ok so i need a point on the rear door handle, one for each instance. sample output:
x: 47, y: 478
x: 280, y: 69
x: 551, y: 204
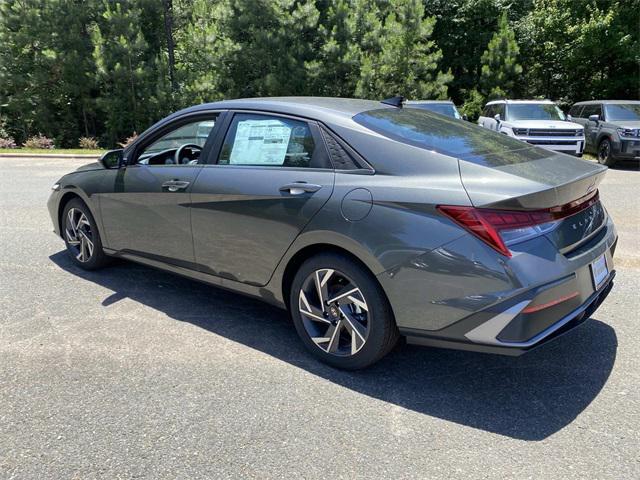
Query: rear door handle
x: 298, y: 188
x: 175, y: 185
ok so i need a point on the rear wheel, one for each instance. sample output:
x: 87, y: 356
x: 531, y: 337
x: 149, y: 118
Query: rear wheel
x: 81, y: 236
x: 605, y: 153
x: 341, y: 313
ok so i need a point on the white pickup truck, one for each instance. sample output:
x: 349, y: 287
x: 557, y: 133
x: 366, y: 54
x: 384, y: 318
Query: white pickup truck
x: 539, y: 122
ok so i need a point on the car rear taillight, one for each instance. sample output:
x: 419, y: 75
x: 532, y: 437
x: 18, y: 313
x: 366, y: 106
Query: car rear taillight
x: 501, y: 228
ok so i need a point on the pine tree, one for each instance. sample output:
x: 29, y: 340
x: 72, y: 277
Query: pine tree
x: 132, y: 72
x: 407, y: 62
x: 500, y: 67
x: 46, y: 69
x: 350, y: 30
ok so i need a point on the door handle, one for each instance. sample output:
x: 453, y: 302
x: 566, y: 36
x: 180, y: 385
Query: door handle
x: 298, y: 188
x: 175, y: 185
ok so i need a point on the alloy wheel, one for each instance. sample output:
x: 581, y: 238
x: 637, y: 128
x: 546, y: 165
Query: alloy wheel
x: 334, y: 312
x: 79, y: 235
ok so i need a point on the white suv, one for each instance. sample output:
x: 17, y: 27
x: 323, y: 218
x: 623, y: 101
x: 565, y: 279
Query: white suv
x: 539, y: 122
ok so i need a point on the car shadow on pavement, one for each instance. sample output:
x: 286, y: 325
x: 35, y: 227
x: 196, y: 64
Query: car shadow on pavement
x: 528, y: 397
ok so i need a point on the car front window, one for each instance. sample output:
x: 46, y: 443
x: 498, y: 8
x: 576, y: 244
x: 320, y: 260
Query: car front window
x: 534, y: 111
x: 622, y: 112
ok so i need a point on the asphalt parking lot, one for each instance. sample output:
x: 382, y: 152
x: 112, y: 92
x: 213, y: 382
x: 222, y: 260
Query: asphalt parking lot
x: 131, y: 372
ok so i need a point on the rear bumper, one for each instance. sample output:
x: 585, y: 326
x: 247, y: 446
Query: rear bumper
x: 465, y: 296
x: 570, y: 321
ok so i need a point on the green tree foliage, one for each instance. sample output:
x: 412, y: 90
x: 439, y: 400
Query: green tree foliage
x: 109, y: 68
x: 582, y: 50
x: 407, y: 61
x: 350, y: 30
x: 130, y: 66
x: 46, y: 71
x: 500, y: 67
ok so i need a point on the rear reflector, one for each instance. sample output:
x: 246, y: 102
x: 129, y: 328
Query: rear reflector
x: 500, y: 228
x: 542, y: 306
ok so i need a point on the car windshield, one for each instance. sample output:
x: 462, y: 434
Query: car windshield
x: 534, y: 111
x: 448, y: 136
x: 627, y: 111
x: 442, y: 108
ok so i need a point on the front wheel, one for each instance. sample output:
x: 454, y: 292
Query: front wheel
x: 81, y: 236
x: 341, y: 313
x: 605, y: 153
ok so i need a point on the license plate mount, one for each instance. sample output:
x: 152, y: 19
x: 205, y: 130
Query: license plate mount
x: 599, y: 271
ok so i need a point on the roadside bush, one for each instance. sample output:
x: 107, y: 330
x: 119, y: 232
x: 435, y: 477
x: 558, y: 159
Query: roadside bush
x: 129, y: 140
x: 88, y: 143
x: 7, y: 142
x: 39, y: 141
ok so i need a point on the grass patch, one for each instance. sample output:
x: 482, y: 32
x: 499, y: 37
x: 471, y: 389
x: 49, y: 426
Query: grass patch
x: 53, y: 151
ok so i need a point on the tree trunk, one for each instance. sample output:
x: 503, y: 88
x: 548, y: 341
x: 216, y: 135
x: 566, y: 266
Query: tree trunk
x: 168, y: 31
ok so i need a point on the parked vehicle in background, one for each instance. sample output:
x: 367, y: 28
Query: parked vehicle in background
x: 612, y: 128
x: 443, y: 107
x: 539, y: 122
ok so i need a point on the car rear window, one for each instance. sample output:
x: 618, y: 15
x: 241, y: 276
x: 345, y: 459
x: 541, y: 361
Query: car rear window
x: 448, y: 136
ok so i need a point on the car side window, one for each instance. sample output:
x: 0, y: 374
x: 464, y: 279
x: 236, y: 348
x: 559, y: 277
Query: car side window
x: 268, y: 141
x: 591, y: 110
x: 575, y: 111
x: 488, y: 111
x: 499, y: 108
x: 180, y: 146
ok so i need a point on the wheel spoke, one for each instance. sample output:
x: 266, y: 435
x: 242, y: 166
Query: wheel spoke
x: 334, y: 334
x: 321, y: 278
x: 348, y: 289
x: 72, y: 224
x: 355, y: 328
x: 354, y: 297
x: 88, y: 242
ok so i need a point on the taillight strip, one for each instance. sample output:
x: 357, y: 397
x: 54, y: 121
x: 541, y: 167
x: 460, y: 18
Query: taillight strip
x: 542, y: 306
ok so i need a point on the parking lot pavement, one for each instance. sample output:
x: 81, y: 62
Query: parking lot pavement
x: 131, y: 372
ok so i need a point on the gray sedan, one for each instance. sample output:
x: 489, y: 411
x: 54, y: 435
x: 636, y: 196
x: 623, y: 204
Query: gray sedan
x: 366, y: 220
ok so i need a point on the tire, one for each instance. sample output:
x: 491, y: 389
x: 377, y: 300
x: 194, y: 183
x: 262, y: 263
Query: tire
x: 605, y: 153
x: 82, y: 239
x: 354, y: 330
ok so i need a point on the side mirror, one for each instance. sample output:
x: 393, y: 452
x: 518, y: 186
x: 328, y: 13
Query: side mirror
x: 497, y: 117
x: 594, y: 118
x: 112, y: 159
x: 465, y: 117
x: 569, y: 118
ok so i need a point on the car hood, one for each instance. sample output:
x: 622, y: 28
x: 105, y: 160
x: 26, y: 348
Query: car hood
x: 89, y: 167
x: 627, y: 124
x: 557, y: 124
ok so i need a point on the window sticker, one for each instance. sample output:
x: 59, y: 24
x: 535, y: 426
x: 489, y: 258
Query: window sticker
x: 260, y: 142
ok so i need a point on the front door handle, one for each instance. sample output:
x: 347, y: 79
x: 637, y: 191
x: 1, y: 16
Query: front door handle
x: 298, y: 188
x: 175, y: 185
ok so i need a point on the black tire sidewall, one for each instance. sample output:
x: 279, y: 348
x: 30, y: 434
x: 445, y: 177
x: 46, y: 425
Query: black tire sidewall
x: 383, y: 331
x: 98, y: 259
x: 609, y: 161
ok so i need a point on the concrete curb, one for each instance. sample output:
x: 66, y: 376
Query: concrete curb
x: 86, y: 156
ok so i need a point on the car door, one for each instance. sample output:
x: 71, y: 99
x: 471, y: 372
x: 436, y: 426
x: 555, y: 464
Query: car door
x: 271, y: 176
x: 484, y: 120
x: 145, y: 206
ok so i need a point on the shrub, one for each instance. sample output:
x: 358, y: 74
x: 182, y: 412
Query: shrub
x: 7, y: 142
x: 88, y: 143
x: 129, y: 140
x: 39, y: 141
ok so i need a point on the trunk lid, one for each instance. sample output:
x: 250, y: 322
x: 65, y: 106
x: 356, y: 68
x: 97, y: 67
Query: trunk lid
x: 533, y: 179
